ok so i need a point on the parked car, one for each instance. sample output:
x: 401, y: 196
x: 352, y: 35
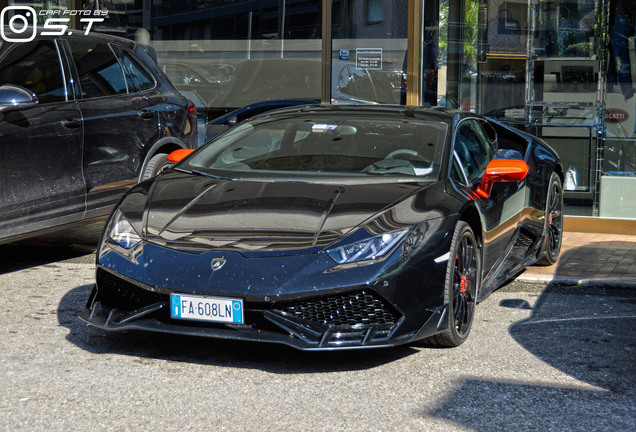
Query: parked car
x: 82, y: 118
x: 205, y: 79
x: 332, y: 227
x: 353, y: 85
x: 200, y: 82
x: 268, y: 79
x: 221, y: 124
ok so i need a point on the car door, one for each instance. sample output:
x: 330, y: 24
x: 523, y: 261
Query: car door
x: 118, y: 121
x: 501, y: 211
x: 41, y: 181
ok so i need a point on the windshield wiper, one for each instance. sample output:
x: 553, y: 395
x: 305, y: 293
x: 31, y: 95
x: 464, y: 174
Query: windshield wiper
x: 201, y: 173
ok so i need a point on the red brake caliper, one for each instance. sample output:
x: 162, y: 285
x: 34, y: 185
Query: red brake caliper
x: 550, y: 218
x: 463, y: 285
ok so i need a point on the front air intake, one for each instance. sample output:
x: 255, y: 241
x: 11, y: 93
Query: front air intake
x: 360, y: 308
x: 114, y: 291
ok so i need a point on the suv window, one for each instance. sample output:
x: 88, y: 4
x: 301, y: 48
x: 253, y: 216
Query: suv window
x: 35, y: 65
x: 139, y: 78
x: 99, y: 71
x: 472, y: 149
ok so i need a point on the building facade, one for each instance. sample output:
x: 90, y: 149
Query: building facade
x: 559, y: 69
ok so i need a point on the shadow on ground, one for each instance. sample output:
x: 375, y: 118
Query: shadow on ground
x: 589, y: 334
x: 274, y: 358
x: 23, y: 255
x: 77, y: 242
x: 483, y: 405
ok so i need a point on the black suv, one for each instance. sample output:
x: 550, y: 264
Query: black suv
x: 82, y: 118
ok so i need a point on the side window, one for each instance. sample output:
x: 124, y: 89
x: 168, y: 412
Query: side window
x: 36, y: 66
x: 138, y: 77
x: 456, y: 172
x: 473, y: 149
x: 99, y: 71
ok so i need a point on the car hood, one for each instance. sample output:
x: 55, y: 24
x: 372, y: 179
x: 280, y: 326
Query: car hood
x: 191, y: 212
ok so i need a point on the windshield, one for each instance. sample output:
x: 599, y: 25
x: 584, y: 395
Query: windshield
x: 311, y: 146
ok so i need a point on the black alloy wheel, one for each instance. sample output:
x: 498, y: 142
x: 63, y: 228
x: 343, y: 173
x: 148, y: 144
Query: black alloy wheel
x: 461, y: 287
x: 554, y: 222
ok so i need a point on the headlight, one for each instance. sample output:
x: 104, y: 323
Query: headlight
x: 122, y: 232
x: 369, y: 249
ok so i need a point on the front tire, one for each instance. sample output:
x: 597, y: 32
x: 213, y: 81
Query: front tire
x: 463, y: 278
x: 554, y: 222
x: 156, y: 165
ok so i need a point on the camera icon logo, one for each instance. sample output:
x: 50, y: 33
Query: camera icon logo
x: 22, y: 25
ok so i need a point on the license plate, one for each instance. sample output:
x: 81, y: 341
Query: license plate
x: 212, y: 309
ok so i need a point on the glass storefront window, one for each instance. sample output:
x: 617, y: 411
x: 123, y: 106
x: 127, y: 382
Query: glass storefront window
x: 618, y: 175
x: 369, y: 52
x: 559, y: 69
x: 461, y: 48
x: 541, y: 74
x: 226, y: 55
x: 543, y: 66
x: 564, y: 63
x: 503, y: 65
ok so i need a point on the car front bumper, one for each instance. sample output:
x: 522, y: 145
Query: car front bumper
x: 357, y: 317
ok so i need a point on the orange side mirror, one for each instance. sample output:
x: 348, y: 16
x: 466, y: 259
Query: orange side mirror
x: 502, y: 170
x: 178, y: 155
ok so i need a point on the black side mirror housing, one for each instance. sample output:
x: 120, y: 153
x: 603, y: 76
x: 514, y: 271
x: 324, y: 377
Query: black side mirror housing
x: 14, y: 97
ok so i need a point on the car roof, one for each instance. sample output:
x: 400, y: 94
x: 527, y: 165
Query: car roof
x: 282, y: 103
x: 101, y: 37
x: 436, y: 114
x: 70, y: 33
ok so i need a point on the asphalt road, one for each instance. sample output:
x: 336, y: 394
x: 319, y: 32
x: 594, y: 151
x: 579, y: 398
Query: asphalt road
x: 538, y: 358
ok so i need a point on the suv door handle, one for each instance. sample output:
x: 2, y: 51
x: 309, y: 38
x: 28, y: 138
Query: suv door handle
x: 146, y: 114
x: 72, y: 123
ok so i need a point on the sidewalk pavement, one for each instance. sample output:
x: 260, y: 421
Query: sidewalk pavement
x: 590, y: 259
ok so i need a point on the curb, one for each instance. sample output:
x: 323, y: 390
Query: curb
x: 586, y: 282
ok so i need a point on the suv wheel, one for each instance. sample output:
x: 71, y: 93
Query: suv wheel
x: 156, y: 165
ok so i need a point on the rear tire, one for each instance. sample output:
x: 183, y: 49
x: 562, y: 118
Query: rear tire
x: 463, y: 278
x: 554, y: 222
x: 156, y: 165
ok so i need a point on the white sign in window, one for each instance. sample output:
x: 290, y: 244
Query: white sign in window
x: 369, y: 58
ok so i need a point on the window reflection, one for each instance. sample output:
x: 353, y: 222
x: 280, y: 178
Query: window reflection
x: 369, y: 52
x: 35, y: 66
x: 99, y: 71
x: 559, y: 69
